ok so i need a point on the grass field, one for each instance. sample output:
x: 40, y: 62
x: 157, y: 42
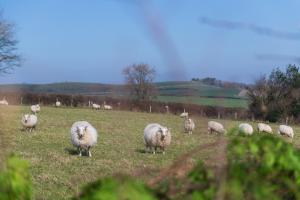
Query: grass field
x: 58, y: 173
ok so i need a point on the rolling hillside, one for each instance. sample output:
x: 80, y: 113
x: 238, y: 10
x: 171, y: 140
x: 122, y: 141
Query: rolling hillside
x: 195, y: 92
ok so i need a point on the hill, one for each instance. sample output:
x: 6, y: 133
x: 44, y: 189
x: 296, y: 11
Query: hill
x: 196, y: 92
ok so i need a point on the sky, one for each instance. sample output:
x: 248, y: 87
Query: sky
x: 92, y: 41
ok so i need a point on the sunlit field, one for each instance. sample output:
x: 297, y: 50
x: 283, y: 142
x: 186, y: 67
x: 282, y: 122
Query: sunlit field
x: 59, y: 173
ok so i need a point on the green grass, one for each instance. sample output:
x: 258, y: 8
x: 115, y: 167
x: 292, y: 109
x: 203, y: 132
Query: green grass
x: 59, y: 174
x: 224, y: 102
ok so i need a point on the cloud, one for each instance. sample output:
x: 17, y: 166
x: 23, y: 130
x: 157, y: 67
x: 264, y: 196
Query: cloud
x: 260, y: 30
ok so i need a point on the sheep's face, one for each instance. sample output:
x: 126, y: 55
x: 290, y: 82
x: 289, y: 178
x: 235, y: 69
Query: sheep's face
x: 81, y: 131
x: 26, y: 118
x: 190, y: 120
x: 38, y: 107
x: 164, y: 131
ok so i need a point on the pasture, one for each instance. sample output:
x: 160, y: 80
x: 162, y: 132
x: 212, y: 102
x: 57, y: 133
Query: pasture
x: 57, y: 171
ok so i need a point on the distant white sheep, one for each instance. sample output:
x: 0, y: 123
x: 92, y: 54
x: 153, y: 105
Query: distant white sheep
x: 107, y: 107
x: 95, y: 106
x: 261, y: 127
x: 57, y: 103
x: 4, y: 102
x: 83, y: 136
x: 35, y: 108
x: 29, y: 122
x: 189, y: 125
x: 246, y: 129
x: 156, y: 136
x: 286, y: 130
x: 184, y: 114
x: 217, y: 127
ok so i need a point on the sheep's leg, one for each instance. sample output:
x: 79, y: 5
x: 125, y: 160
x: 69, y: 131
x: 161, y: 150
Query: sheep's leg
x: 89, y: 152
x: 79, y: 150
x: 163, y: 150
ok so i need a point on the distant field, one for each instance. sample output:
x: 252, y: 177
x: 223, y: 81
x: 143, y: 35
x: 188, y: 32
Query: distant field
x: 207, y: 101
x: 59, y: 174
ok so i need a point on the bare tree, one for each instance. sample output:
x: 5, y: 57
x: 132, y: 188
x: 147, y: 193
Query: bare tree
x: 9, y: 59
x: 139, y: 79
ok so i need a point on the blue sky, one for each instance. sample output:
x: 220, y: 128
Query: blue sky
x: 92, y: 41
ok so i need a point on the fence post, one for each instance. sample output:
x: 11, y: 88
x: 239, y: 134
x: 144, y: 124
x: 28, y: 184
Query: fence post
x: 150, y: 109
x: 167, y: 109
x: 219, y: 115
x: 235, y: 116
x: 21, y: 100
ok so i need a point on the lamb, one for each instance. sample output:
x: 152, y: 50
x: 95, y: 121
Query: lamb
x: 95, y: 106
x: 189, y: 125
x: 246, y: 129
x: 217, y: 127
x: 4, y: 102
x: 261, y: 127
x: 286, y: 130
x: 156, y: 136
x: 35, y: 108
x: 83, y: 136
x: 107, y: 107
x: 29, y: 122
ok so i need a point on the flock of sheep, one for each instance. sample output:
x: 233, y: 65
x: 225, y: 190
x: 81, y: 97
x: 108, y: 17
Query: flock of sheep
x: 84, y: 135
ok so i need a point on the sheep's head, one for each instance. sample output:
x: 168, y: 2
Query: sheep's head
x: 164, y: 131
x: 81, y: 131
x: 26, y: 118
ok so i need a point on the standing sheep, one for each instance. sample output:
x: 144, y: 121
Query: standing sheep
x: 261, y: 127
x: 215, y: 127
x: 286, y: 130
x: 184, y: 114
x: 107, y: 107
x: 189, y: 125
x: 95, y: 106
x: 246, y: 129
x: 35, y: 108
x: 29, y: 122
x: 57, y: 103
x: 156, y: 136
x: 83, y: 136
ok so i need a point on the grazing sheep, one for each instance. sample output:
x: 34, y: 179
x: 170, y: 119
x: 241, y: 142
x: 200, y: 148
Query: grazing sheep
x: 217, y: 127
x: 261, y: 127
x: 35, y: 108
x: 4, y: 102
x: 246, y: 129
x: 95, y: 106
x: 184, y: 114
x: 29, y: 122
x: 189, y: 125
x: 107, y: 107
x: 83, y: 136
x: 286, y: 130
x: 156, y: 136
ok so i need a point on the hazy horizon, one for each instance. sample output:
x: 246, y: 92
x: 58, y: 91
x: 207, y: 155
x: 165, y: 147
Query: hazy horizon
x: 80, y: 41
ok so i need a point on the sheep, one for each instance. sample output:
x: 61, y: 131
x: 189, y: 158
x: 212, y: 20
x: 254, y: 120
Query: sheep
x: 29, y: 122
x: 57, y: 103
x: 286, y: 130
x: 246, y: 129
x: 83, y: 136
x: 4, y: 102
x: 261, y: 127
x: 156, y: 136
x: 189, y: 125
x: 217, y: 127
x: 184, y: 114
x: 95, y: 106
x: 107, y: 107
x: 35, y: 108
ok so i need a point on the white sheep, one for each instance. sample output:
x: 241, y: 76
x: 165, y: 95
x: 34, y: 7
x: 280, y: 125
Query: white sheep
x: 156, y: 136
x: 246, y: 129
x: 4, y: 102
x: 286, y: 130
x: 57, y: 103
x: 184, y: 114
x: 217, y: 127
x: 189, y: 125
x: 95, y: 106
x: 107, y: 107
x: 261, y: 127
x: 35, y: 108
x: 83, y: 136
x: 29, y: 122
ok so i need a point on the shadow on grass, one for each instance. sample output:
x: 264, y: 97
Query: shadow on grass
x: 71, y: 151
x: 141, y: 151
